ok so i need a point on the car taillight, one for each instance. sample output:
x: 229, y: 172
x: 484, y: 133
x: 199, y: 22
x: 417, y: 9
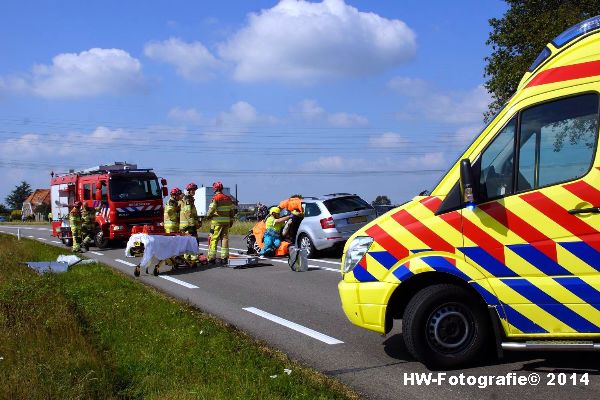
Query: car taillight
x: 327, y: 223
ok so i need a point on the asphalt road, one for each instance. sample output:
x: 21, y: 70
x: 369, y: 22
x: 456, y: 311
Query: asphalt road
x: 300, y: 314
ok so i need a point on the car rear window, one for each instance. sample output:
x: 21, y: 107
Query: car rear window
x: 346, y: 204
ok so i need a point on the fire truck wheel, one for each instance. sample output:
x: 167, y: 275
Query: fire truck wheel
x: 100, y: 240
x: 444, y: 326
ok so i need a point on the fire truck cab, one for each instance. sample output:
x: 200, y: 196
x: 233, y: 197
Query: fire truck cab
x: 122, y: 195
x: 505, y: 249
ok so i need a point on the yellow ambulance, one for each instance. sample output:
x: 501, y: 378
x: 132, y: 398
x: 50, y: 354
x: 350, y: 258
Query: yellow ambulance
x: 505, y: 250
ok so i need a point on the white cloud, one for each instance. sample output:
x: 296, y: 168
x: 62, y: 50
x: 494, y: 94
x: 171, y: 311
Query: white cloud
x: 185, y: 115
x: 193, y: 61
x: 459, y: 107
x: 388, y: 140
x: 428, y: 161
x: 346, y: 120
x: 234, y: 122
x: 310, y: 111
x: 301, y: 41
x: 89, y: 73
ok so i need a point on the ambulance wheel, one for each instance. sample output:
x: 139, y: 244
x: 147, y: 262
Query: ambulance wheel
x: 304, y: 242
x: 444, y: 326
x: 100, y: 240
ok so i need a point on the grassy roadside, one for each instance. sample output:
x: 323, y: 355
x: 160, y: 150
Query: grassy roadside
x: 95, y: 333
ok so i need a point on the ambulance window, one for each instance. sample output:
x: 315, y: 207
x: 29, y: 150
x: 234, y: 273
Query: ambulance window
x: 497, y: 164
x: 557, y: 141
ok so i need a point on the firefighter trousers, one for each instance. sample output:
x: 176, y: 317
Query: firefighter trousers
x: 218, y: 232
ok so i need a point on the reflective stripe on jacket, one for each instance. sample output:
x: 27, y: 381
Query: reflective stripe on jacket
x: 188, y: 216
x: 221, y: 209
x: 171, y: 217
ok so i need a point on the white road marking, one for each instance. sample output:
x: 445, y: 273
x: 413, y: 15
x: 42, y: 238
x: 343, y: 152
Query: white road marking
x: 177, y: 281
x: 96, y: 253
x: 56, y: 241
x: 43, y: 239
x: 125, y: 262
x: 204, y: 247
x: 294, y: 326
x: 31, y: 237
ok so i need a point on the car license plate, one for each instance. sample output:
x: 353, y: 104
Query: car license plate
x: 357, y: 220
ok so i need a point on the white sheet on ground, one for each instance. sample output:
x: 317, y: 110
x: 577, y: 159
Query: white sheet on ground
x: 158, y: 248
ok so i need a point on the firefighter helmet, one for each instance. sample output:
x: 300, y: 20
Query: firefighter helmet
x: 176, y: 192
x: 191, y: 186
x: 217, y: 186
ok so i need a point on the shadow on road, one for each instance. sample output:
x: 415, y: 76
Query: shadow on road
x: 530, y: 361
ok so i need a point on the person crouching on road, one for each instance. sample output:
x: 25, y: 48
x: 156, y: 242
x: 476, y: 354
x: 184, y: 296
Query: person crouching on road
x: 172, y: 209
x: 294, y: 206
x: 75, y: 224
x: 272, y: 237
x: 88, y: 217
x: 221, y: 211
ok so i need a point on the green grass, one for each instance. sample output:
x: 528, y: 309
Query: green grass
x: 95, y: 333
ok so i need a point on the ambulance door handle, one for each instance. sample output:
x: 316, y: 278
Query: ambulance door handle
x: 594, y: 210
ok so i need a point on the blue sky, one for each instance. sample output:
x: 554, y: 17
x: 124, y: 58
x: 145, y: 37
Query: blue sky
x: 279, y: 98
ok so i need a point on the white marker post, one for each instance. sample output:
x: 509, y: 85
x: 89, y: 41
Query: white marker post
x: 18, y: 234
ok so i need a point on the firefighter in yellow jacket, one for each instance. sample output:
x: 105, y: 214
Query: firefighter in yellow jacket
x: 75, y: 224
x: 221, y: 211
x: 188, y: 216
x: 88, y: 217
x: 172, y: 209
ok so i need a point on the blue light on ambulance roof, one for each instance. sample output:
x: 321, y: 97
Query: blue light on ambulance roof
x: 540, y: 58
x: 577, y: 30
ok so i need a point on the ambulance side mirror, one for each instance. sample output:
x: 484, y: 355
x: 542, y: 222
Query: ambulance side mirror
x: 165, y: 191
x: 467, y: 185
x: 98, y: 195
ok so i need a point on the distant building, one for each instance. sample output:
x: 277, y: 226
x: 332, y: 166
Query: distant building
x: 246, y: 206
x: 37, y: 198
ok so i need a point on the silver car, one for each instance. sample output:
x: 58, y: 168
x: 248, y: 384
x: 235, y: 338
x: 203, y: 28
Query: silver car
x: 330, y: 220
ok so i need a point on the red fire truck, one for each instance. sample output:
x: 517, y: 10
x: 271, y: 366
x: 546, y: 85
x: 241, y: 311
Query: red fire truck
x: 123, y: 196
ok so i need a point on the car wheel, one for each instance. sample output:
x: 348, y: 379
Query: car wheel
x: 444, y: 326
x: 100, y: 240
x: 304, y: 242
x: 67, y: 242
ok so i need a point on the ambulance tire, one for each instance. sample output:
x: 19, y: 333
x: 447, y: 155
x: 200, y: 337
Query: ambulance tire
x: 444, y: 326
x: 100, y: 240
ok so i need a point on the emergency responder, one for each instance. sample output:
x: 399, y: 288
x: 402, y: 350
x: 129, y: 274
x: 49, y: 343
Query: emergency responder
x: 88, y: 217
x: 75, y: 223
x: 172, y: 209
x: 221, y: 210
x: 188, y: 216
x: 294, y: 205
x: 272, y: 237
x: 188, y: 219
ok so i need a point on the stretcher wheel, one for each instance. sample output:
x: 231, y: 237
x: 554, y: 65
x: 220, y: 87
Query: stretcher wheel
x: 136, y: 272
x: 155, y: 272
